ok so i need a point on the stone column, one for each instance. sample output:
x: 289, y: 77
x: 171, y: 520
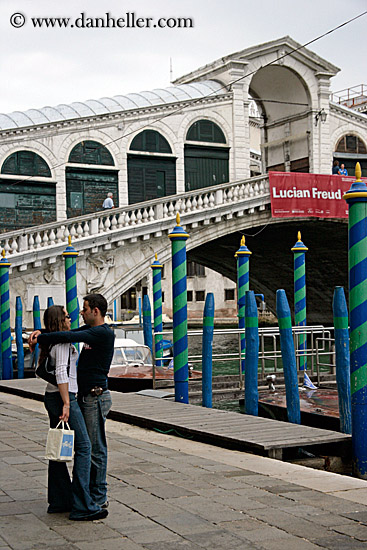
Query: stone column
x: 240, y: 150
x: 322, y: 154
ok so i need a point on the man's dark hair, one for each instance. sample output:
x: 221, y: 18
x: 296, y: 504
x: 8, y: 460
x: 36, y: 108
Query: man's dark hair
x: 97, y: 300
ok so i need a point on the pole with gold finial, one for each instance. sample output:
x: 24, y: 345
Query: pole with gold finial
x: 299, y: 263
x: 243, y: 283
x: 179, y: 294
x: 7, y: 365
x: 356, y: 198
x: 157, y: 308
x: 70, y: 255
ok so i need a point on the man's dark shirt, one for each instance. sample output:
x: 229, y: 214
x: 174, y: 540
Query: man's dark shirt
x: 95, y: 357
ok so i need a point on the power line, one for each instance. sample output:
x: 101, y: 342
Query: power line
x: 224, y: 87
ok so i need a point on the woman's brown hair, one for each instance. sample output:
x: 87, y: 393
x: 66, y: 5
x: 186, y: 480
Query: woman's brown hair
x: 54, y: 321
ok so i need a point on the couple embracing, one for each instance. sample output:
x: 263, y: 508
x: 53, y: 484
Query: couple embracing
x: 82, y: 399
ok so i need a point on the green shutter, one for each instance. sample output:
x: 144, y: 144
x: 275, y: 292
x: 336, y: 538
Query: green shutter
x: 91, y: 152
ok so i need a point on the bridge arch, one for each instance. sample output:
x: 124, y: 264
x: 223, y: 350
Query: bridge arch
x: 27, y: 189
x: 151, y: 166
x: 90, y: 174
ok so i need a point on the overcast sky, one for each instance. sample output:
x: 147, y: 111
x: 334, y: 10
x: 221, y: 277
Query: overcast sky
x: 48, y: 66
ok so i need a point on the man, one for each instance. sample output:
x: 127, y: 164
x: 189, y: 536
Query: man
x: 108, y: 202
x: 342, y: 171
x: 336, y: 168
x: 93, y: 394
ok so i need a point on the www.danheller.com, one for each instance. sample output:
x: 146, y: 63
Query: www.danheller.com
x: 306, y: 193
x: 128, y: 20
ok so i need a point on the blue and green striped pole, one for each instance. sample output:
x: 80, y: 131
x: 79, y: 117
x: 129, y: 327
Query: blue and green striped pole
x: 252, y: 354
x: 207, y: 350
x: 7, y: 364
x: 299, y: 250
x: 157, y: 305
x: 356, y: 198
x: 288, y: 357
x: 70, y: 255
x: 243, y: 278
x: 19, y: 335
x: 147, y: 323
x: 179, y: 293
x: 341, y: 335
x: 36, y: 325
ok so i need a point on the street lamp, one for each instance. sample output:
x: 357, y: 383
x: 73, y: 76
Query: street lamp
x: 321, y: 115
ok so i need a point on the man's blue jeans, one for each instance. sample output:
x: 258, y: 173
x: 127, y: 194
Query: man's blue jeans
x: 61, y: 495
x: 95, y: 410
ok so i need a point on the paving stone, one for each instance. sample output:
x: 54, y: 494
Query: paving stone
x: 216, y: 539
x: 355, y: 530
x: 184, y: 523
x: 340, y: 543
x: 75, y: 531
x: 159, y: 534
x: 266, y: 532
x: 178, y: 545
x: 167, y: 491
x: 361, y: 517
x: 118, y: 543
x: 26, y: 494
x: 291, y: 543
x: 10, y: 508
x: 25, y: 532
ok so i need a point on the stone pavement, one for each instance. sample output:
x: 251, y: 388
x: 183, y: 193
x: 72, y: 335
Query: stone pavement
x: 169, y: 493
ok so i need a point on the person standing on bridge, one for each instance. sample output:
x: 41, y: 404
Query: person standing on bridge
x: 93, y: 394
x: 108, y: 202
x: 335, y: 168
x: 342, y: 170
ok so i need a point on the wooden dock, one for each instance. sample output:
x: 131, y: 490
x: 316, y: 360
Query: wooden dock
x: 222, y: 428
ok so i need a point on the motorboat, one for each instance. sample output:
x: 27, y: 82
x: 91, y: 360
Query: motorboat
x: 132, y: 367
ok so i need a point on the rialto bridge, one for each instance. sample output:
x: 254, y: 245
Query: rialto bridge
x: 117, y: 249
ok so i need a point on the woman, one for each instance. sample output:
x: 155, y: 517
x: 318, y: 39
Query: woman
x: 61, y: 404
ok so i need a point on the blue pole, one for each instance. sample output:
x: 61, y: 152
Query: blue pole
x: 207, y: 350
x: 356, y: 198
x: 7, y: 363
x: 341, y: 333
x: 147, y: 323
x: 157, y: 308
x: 18, y: 336
x: 243, y: 282
x: 252, y: 354
x: 115, y: 310
x: 288, y: 357
x: 50, y: 301
x: 36, y: 325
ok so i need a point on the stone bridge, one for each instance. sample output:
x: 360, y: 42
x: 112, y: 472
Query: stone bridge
x: 117, y: 248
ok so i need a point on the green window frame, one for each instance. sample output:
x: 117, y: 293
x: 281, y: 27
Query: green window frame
x: 91, y: 152
x: 25, y: 163
x: 151, y: 142
x: 207, y: 131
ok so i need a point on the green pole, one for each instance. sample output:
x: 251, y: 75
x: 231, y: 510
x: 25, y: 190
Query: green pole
x: 7, y: 364
x: 299, y: 250
x: 70, y: 255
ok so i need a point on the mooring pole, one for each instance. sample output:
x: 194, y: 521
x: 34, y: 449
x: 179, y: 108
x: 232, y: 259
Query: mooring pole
x: 341, y: 334
x: 207, y: 350
x: 288, y: 357
x: 147, y: 323
x: 50, y: 301
x: 157, y: 308
x: 243, y: 278
x: 36, y: 325
x: 356, y: 198
x: 299, y: 262
x: 179, y: 293
x: 252, y: 354
x: 70, y: 255
x: 7, y: 363
x: 18, y: 336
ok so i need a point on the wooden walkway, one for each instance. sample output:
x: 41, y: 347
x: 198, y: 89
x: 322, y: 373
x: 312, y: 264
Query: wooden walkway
x: 222, y: 428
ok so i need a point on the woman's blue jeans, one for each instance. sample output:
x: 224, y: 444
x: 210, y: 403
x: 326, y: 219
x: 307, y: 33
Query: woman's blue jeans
x: 62, y: 494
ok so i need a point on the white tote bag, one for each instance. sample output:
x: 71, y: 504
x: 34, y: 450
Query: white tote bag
x: 60, y: 443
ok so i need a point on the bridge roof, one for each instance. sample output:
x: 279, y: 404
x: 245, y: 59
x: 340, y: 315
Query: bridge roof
x: 106, y: 105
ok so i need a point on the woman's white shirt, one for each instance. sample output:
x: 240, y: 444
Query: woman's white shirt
x: 59, y: 356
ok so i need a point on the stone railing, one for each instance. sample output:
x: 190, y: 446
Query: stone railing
x: 137, y: 215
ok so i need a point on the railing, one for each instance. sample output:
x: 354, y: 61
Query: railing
x: 136, y: 215
x: 320, y: 346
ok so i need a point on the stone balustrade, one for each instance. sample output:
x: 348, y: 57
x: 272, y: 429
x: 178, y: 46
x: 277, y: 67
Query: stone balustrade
x: 199, y: 206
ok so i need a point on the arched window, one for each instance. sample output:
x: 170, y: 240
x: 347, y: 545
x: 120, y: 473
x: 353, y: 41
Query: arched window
x: 206, y: 164
x: 205, y: 130
x: 91, y: 152
x: 351, y: 144
x: 26, y: 163
x: 150, y: 141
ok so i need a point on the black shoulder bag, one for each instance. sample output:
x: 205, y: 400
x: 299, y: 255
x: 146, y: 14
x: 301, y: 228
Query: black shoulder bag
x: 47, y: 372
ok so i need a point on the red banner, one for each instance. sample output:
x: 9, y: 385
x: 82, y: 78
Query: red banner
x: 295, y: 194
